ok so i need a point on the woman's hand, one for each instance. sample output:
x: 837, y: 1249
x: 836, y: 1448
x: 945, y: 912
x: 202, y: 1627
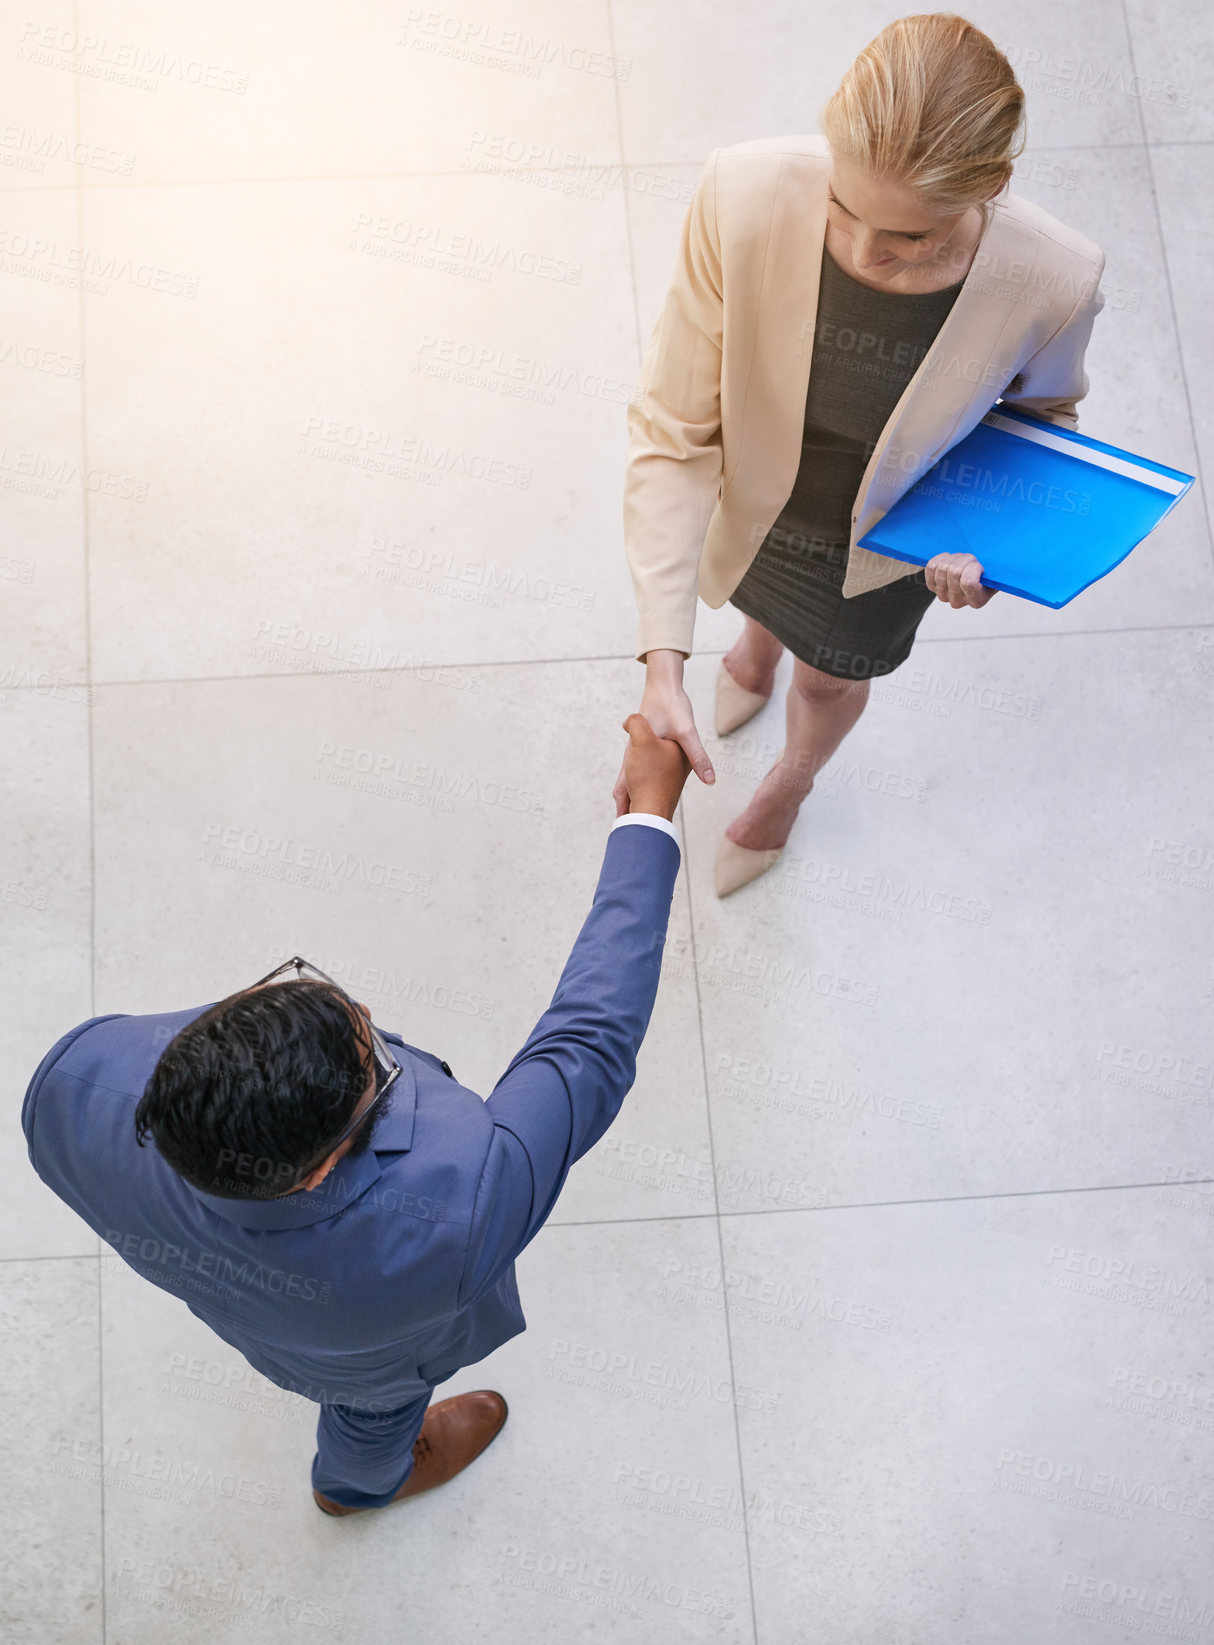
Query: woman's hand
x: 667, y: 707
x: 957, y: 578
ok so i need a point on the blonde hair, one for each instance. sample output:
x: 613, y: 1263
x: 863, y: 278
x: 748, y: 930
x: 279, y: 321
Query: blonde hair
x: 933, y: 102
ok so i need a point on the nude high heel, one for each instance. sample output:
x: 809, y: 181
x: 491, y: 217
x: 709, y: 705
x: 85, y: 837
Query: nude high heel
x: 736, y: 865
x: 735, y: 705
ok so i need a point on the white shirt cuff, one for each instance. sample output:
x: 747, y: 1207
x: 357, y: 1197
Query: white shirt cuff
x: 650, y: 821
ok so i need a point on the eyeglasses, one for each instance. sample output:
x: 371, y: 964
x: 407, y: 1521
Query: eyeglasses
x: 387, y: 1069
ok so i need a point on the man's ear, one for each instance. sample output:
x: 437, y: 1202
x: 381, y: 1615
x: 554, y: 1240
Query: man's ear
x: 315, y: 1178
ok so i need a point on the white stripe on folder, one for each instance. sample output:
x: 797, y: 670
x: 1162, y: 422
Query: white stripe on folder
x: 1086, y: 454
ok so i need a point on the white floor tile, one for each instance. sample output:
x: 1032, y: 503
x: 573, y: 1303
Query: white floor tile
x: 1173, y: 59
x: 1003, y: 1412
x: 433, y: 477
x: 44, y: 935
x: 984, y: 946
x: 44, y: 476
x: 54, y: 1453
x: 305, y: 91
x: 1182, y: 184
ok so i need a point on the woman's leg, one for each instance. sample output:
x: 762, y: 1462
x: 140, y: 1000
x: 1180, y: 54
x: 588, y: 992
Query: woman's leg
x: 753, y: 657
x: 821, y: 711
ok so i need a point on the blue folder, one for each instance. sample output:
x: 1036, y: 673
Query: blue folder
x: 1047, y: 512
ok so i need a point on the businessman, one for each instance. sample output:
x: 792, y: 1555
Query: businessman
x: 330, y: 1200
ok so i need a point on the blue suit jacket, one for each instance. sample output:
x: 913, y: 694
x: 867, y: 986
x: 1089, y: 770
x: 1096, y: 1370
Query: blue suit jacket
x: 399, y: 1268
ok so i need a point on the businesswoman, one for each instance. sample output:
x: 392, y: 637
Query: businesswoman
x: 844, y: 309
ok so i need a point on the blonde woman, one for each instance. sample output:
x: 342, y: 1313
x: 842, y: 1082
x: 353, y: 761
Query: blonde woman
x: 844, y: 309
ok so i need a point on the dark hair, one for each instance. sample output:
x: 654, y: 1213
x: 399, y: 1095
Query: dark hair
x: 244, y: 1099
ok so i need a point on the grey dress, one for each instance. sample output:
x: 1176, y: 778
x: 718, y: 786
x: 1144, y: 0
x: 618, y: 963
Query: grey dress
x: 867, y: 346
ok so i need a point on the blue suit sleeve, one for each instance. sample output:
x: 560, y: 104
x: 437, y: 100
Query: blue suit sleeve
x: 564, y: 1088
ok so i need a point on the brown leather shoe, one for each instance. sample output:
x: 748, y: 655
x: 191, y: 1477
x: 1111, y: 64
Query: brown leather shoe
x: 454, y: 1433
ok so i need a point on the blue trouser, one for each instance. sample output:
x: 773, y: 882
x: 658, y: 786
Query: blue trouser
x: 364, y: 1457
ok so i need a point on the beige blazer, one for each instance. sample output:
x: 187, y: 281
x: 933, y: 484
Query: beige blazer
x: 715, y: 429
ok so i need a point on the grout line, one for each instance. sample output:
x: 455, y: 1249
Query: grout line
x: 881, y: 1204
x: 784, y: 1210
x: 505, y: 171
x: 92, y: 791
x: 1167, y: 274
x: 712, y: 1157
x: 341, y: 673
x: 460, y: 172
x: 619, y: 138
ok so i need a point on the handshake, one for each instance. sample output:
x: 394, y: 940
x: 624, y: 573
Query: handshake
x: 655, y: 769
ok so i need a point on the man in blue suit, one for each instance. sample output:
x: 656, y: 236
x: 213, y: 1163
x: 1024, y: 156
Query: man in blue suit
x: 330, y: 1200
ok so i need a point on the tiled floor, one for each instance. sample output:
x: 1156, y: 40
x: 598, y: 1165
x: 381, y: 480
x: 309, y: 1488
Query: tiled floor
x: 882, y: 1316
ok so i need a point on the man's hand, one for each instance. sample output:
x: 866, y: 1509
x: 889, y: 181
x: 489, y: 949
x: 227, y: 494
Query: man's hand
x: 655, y: 769
x: 957, y: 578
